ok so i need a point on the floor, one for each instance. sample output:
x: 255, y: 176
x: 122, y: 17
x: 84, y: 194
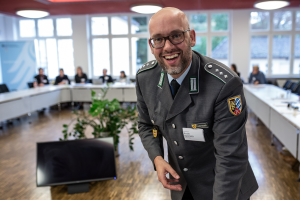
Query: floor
x: 136, y: 178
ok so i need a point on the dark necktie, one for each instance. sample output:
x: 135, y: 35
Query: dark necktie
x: 175, y: 86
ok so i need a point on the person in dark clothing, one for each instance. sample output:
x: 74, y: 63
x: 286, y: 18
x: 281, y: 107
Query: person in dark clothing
x: 80, y: 77
x: 233, y: 68
x: 106, y: 78
x: 40, y: 80
x: 257, y: 77
x: 62, y: 79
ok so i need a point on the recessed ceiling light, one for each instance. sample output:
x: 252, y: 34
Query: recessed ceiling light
x: 146, y: 8
x: 271, y: 5
x: 32, y: 13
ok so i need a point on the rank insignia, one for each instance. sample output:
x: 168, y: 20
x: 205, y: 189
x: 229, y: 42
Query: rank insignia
x: 235, y: 105
x: 194, y: 126
x: 154, y: 132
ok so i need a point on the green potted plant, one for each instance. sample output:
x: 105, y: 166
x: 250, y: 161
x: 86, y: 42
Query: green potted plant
x: 107, y: 119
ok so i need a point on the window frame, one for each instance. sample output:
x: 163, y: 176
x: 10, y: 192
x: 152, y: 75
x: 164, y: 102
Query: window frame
x: 270, y: 33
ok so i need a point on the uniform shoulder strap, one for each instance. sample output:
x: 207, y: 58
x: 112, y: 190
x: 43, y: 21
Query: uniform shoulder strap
x: 147, y: 66
x: 219, y: 72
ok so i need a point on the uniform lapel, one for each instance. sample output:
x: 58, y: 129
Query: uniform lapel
x: 183, y: 99
x: 164, y: 94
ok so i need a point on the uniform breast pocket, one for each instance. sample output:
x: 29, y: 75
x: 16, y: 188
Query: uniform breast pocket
x: 197, y: 124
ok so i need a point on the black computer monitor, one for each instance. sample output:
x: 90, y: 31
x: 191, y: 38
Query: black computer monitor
x: 75, y: 161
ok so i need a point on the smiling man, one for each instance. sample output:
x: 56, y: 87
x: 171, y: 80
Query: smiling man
x: 187, y: 98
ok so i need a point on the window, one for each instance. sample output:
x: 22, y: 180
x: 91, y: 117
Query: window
x: 52, y: 50
x: 220, y: 49
x: 198, y: 22
x: 123, y: 48
x: 139, y: 54
x: 99, y: 26
x: 100, y: 56
x: 213, y: 41
x: 120, y: 56
x: 271, y: 48
x: 259, y: 52
x: 297, y: 55
x: 119, y: 25
x: 45, y: 27
x: 200, y: 45
x: 65, y: 56
x: 260, y: 20
x: 27, y: 28
x: 219, y: 22
x: 282, y: 21
x: 64, y: 27
x: 139, y: 25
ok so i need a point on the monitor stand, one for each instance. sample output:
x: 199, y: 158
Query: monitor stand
x: 78, y: 188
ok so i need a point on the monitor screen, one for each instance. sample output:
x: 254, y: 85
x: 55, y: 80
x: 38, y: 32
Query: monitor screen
x: 75, y: 161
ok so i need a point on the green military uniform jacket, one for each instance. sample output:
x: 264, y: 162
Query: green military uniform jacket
x: 210, y: 98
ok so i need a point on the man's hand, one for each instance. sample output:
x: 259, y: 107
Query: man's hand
x: 163, y: 168
x: 256, y: 82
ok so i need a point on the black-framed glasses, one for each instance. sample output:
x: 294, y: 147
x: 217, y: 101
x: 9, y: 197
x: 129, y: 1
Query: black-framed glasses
x: 175, y: 38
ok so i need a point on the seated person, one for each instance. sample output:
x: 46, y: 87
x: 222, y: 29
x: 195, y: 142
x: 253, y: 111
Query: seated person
x: 257, y: 77
x: 40, y: 80
x: 80, y: 77
x: 123, y: 77
x: 233, y: 68
x: 106, y: 78
x: 62, y: 79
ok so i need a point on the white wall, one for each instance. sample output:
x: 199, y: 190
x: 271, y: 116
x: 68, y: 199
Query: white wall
x: 240, y: 41
x: 80, y: 43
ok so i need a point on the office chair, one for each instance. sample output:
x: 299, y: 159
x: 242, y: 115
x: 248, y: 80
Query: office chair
x: 3, y: 88
x: 30, y: 84
x: 296, y: 88
x: 287, y: 84
x: 292, y: 86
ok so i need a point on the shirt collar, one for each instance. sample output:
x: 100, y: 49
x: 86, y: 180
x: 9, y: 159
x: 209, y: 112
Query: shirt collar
x: 181, y: 78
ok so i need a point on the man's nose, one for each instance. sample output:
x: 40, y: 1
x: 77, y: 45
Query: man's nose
x: 168, y: 45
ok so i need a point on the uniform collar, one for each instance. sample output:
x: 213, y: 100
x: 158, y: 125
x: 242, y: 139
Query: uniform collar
x: 181, y: 78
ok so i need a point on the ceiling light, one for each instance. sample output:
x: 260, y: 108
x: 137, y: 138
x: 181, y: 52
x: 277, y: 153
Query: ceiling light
x: 271, y: 5
x: 146, y: 8
x: 32, y: 13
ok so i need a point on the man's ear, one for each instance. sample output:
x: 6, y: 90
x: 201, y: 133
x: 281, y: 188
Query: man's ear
x: 150, y: 46
x: 193, y: 37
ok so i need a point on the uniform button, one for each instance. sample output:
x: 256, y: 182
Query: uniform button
x: 185, y: 169
x: 152, y: 121
x: 173, y: 125
x: 209, y: 66
x: 175, y: 143
x: 180, y: 157
x: 221, y: 73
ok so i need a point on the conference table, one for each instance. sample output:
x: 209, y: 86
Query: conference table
x: 270, y: 104
x: 23, y: 102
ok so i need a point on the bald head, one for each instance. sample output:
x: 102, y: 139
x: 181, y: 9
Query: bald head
x: 166, y: 17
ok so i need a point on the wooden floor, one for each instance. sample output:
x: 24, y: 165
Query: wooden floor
x: 136, y: 178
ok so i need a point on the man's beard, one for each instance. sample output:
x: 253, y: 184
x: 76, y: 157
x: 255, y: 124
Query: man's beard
x: 185, y: 58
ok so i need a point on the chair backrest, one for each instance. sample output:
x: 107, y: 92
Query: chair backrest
x: 30, y: 84
x: 292, y: 84
x: 287, y: 84
x: 296, y: 88
x: 3, y: 88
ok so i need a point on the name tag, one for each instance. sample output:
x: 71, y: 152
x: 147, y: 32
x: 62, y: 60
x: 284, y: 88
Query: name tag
x: 193, y: 134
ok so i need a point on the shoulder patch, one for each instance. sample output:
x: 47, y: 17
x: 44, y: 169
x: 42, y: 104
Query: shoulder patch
x: 147, y: 66
x: 219, y: 72
x: 235, y: 105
